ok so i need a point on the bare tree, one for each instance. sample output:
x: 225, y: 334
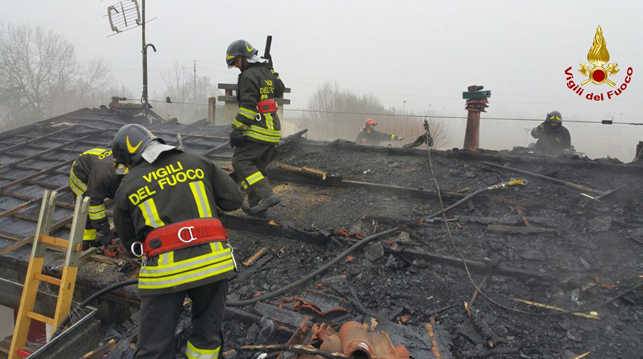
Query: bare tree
x: 336, y: 113
x: 329, y: 101
x: 188, y: 94
x: 40, y: 76
x: 34, y: 66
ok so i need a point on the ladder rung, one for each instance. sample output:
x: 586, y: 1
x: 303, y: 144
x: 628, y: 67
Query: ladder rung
x: 41, y: 318
x: 53, y: 241
x: 49, y: 279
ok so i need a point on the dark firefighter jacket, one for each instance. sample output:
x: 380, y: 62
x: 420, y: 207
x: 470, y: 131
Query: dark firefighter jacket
x: 374, y: 137
x: 552, y: 140
x: 93, y: 175
x: 178, y: 186
x: 257, y: 83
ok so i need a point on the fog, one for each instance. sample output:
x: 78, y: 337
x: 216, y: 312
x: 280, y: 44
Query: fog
x: 417, y: 56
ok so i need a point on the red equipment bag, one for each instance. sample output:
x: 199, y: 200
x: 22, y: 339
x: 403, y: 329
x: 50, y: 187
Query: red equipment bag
x: 183, y: 234
x: 266, y: 106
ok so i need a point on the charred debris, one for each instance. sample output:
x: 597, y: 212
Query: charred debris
x: 526, y: 257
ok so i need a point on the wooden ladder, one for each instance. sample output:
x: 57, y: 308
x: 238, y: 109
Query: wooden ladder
x: 35, y: 276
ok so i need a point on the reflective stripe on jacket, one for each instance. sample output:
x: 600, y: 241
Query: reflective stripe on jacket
x: 167, y: 272
x: 178, y: 186
x: 93, y: 175
x: 258, y: 83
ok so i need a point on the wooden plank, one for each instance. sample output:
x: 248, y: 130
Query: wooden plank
x: 280, y: 315
x: 53, y: 241
x: 41, y: 318
x: 47, y: 278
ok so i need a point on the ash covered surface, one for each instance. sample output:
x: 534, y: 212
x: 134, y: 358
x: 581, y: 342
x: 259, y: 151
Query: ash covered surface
x: 587, y: 256
x: 590, y: 254
x: 545, y: 243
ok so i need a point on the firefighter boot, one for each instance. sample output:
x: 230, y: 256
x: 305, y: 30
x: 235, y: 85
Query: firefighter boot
x: 251, y: 200
x: 267, y: 198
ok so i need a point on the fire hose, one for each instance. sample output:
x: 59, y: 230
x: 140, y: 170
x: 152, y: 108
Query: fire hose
x: 502, y: 185
x: 266, y: 296
x: 314, y: 273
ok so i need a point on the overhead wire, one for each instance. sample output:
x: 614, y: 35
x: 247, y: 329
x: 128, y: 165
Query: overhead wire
x: 433, y: 116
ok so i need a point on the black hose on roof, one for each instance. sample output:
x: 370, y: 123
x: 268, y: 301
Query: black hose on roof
x: 314, y: 273
x: 94, y: 296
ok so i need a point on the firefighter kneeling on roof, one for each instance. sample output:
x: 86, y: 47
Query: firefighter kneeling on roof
x: 94, y: 175
x: 165, y: 211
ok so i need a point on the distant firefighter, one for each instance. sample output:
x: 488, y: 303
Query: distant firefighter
x: 370, y: 136
x: 553, y: 137
x: 638, y: 156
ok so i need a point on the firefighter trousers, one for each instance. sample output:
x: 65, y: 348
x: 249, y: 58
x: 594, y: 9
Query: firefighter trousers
x: 249, y: 162
x: 160, y: 316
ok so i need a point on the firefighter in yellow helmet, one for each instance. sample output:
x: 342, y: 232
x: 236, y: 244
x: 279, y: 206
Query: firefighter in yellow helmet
x: 93, y: 174
x: 166, y: 211
x: 553, y: 137
x: 256, y: 129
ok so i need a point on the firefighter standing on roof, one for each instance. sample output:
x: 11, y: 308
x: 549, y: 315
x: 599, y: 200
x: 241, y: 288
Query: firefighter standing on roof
x: 165, y: 209
x: 553, y: 137
x: 370, y: 136
x: 93, y: 174
x: 256, y: 129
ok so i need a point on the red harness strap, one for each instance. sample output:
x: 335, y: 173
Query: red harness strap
x: 183, y: 234
x: 266, y: 106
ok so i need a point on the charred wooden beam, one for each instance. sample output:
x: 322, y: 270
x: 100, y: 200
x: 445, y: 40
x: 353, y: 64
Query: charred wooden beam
x: 481, y: 267
x: 307, y: 175
x: 51, y: 149
x: 506, y: 229
x: 29, y: 239
x: 263, y: 226
x: 34, y: 175
x: 31, y: 140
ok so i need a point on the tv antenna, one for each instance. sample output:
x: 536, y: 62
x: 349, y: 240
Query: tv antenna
x: 126, y: 15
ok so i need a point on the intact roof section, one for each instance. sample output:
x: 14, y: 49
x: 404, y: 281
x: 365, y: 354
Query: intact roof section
x: 37, y: 157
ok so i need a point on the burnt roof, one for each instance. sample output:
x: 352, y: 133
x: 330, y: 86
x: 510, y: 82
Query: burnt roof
x: 587, y: 251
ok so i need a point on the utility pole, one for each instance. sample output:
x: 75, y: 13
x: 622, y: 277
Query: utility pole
x: 145, y: 99
x: 194, y: 81
x: 124, y: 16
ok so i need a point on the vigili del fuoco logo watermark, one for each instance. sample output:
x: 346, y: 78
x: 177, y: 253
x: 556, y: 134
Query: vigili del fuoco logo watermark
x: 597, y: 72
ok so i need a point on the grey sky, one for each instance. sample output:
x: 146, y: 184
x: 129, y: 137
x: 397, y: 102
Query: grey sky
x: 426, y: 52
